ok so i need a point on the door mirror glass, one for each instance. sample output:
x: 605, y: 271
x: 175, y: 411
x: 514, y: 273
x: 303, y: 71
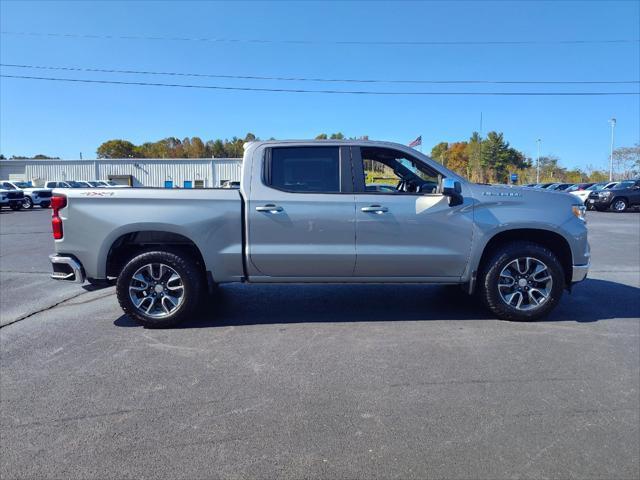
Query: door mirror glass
x: 453, y: 189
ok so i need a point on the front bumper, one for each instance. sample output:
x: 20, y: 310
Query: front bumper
x: 66, y: 268
x: 601, y: 202
x: 580, y: 272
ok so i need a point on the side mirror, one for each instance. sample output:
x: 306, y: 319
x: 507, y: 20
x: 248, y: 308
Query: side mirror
x: 452, y: 189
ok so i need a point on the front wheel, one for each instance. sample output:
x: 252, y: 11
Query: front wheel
x: 619, y: 205
x: 27, y: 203
x: 159, y: 289
x: 522, y: 281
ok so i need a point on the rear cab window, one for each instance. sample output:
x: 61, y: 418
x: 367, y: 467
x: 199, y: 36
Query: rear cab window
x: 307, y: 169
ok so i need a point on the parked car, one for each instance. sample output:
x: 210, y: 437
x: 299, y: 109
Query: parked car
x: 583, y: 195
x: 618, y: 198
x: 230, y: 184
x: 64, y: 184
x: 32, y: 195
x: 557, y: 187
x: 576, y: 187
x: 302, y: 214
x: 106, y: 183
x: 542, y: 185
x: 11, y: 197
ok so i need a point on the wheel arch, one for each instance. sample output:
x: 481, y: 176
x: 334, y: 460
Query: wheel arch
x: 130, y: 244
x: 547, y: 238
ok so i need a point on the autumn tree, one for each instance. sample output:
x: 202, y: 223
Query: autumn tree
x: 116, y: 149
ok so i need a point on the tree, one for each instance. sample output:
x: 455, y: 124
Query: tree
x: 2, y: 157
x: 322, y: 136
x: 626, y: 161
x: 250, y: 137
x: 337, y: 136
x: 458, y: 158
x: 439, y: 152
x: 116, y: 149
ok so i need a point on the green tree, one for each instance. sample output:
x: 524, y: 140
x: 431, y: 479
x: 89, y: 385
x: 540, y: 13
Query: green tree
x: 439, y: 152
x: 322, y: 136
x: 116, y: 149
x: 337, y: 136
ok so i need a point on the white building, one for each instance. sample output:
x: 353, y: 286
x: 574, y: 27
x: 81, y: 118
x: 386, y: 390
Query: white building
x: 142, y: 172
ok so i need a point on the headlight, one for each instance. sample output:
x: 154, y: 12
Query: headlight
x: 604, y: 194
x: 579, y: 211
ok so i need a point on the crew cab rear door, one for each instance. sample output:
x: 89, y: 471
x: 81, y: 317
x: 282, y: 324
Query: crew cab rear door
x: 300, y: 212
x: 409, y: 230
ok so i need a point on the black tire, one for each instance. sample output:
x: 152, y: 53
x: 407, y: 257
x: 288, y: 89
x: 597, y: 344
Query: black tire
x: 45, y: 204
x: 190, y: 277
x: 15, y: 206
x: 619, y: 205
x: 490, y: 278
x: 27, y: 203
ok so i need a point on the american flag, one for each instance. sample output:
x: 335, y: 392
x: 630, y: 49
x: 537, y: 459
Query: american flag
x: 416, y: 142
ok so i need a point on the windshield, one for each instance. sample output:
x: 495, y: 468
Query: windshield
x: 8, y: 186
x: 73, y: 184
x: 23, y: 184
x: 95, y: 184
x: 573, y: 188
x: 623, y: 185
x: 597, y: 186
x: 111, y: 184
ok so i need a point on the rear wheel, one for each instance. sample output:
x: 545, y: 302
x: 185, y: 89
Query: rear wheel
x: 619, y: 205
x: 159, y: 289
x: 27, y: 203
x: 522, y: 281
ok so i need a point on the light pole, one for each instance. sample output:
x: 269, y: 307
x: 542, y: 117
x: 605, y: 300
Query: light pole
x: 612, y: 122
x: 538, y: 163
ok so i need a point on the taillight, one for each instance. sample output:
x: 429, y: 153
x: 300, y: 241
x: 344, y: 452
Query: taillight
x: 57, y: 202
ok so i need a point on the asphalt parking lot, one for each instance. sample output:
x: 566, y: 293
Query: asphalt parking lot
x: 371, y: 381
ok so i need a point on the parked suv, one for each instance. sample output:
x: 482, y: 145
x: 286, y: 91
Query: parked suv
x: 11, y: 197
x: 32, y: 195
x: 619, y: 198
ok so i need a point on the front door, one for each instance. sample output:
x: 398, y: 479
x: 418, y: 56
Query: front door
x: 404, y: 225
x: 301, y: 212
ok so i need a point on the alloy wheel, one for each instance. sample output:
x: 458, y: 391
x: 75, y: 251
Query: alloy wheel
x: 156, y: 290
x: 525, y: 283
x: 619, y: 205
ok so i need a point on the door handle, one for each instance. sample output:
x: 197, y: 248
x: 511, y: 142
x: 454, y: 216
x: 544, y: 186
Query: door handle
x: 375, y: 209
x: 270, y: 208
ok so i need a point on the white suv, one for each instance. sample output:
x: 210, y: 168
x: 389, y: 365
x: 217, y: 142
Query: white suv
x: 32, y: 195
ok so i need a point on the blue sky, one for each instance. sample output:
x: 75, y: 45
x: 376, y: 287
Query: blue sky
x: 64, y: 119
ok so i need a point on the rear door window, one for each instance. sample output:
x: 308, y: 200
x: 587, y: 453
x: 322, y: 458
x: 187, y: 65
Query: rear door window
x: 304, y: 169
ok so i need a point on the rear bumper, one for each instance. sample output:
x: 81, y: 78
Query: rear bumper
x: 66, y: 268
x: 580, y: 272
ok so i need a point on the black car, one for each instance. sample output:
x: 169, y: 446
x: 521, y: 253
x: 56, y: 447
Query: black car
x: 558, y: 187
x: 624, y: 195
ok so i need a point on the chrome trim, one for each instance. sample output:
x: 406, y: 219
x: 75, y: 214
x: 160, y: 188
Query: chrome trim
x: 580, y: 272
x: 77, y: 275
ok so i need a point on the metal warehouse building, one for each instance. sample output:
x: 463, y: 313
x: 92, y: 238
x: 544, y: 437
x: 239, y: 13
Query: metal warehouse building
x: 143, y: 172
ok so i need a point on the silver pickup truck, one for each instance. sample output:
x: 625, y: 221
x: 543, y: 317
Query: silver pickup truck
x: 318, y: 212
